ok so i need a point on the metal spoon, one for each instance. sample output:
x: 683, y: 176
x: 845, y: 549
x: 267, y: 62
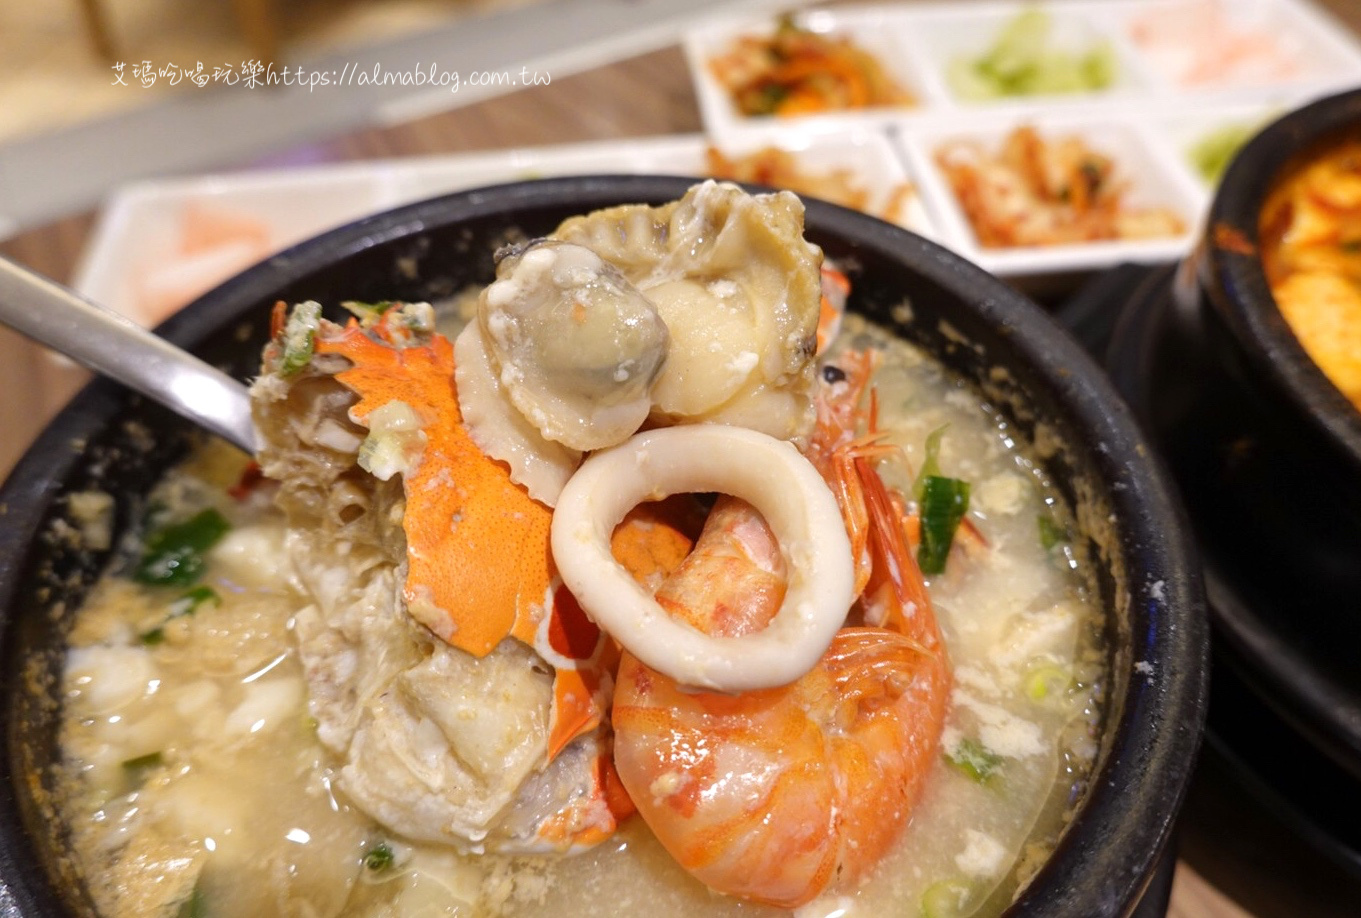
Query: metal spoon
x: 40, y: 308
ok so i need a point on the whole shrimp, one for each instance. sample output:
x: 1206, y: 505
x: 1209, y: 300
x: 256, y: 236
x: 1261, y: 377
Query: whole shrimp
x: 780, y: 794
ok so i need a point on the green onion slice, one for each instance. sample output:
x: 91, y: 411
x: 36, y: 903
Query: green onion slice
x: 974, y: 759
x: 368, y: 312
x: 143, y: 762
x: 186, y: 605
x: 931, y: 462
x: 1046, y: 680
x: 1052, y: 532
x: 174, y: 555
x: 300, y: 337
x: 379, y: 857
x: 944, y: 502
x: 946, y: 898
x: 136, y: 770
x: 196, y: 906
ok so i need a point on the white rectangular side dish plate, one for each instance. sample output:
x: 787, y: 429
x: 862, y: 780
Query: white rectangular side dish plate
x: 159, y: 244
x: 1150, y: 118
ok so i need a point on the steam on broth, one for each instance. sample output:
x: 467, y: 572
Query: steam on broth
x: 226, y: 751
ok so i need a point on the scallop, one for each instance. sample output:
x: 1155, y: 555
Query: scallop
x: 541, y: 466
x: 576, y: 347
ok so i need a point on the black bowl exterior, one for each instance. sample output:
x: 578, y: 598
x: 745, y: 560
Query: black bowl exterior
x: 1047, y: 387
x: 1289, y: 426
x: 1236, y: 283
x: 1273, y: 712
x: 1266, y: 450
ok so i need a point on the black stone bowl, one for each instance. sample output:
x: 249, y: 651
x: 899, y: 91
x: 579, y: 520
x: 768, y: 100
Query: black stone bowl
x: 1267, y: 694
x: 1266, y: 451
x: 1026, y: 365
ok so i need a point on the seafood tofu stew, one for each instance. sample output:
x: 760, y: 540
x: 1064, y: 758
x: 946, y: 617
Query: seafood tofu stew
x: 664, y: 583
x: 1310, y: 228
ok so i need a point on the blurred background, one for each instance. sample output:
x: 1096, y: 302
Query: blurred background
x: 79, y: 116
x: 56, y: 58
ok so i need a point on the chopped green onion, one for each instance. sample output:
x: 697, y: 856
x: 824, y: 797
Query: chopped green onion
x: 379, y: 857
x: 186, y: 605
x: 300, y: 337
x: 142, y: 762
x: 974, y: 759
x: 944, y: 502
x: 174, y: 555
x: 196, y: 906
x: 931, y: 462
x: 136, y: 770
x: 368, y: 311
x: 1052, y: 532
x: 1046, y: 679
x: 946, y: 899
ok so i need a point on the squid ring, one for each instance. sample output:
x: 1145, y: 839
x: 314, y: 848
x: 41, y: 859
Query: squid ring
x: 769, y: 474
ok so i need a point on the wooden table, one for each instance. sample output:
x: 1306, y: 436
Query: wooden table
x: 1235, y: 858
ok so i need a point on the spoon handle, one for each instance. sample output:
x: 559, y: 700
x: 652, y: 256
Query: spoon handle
x: 109, y: 344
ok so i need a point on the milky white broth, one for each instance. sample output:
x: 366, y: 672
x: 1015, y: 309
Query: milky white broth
x: 195, y: 785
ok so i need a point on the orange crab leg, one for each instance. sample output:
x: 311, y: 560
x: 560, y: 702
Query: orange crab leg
x: 477, y: 544
x: 584, y: 660
x: 479, y: 565
x: 576, y: 826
